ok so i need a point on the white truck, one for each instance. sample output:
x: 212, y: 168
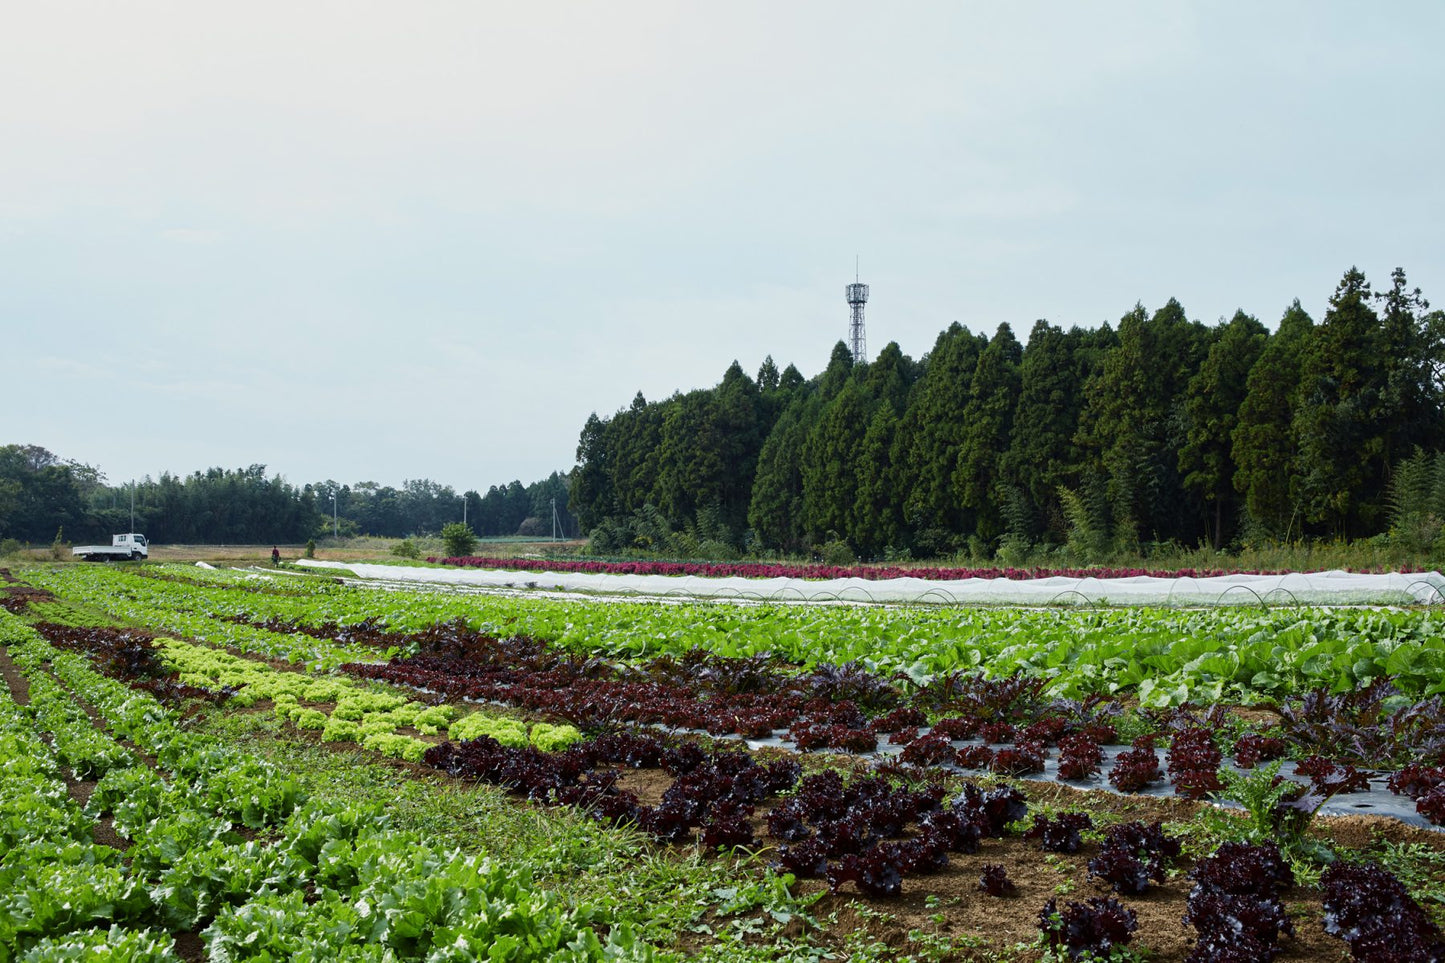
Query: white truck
x: 128, y: 546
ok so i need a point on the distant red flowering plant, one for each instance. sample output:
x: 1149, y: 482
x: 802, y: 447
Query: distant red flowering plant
x: 771, y: 570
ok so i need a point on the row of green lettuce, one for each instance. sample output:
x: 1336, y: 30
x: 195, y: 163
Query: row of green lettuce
x: 341, y: 709
x: 1164, y: 656
x: 312, y: 882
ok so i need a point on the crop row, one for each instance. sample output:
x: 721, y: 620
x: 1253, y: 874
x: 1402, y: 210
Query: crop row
x: 822, y: 707
x: 873, y: 834
x: 1163, y: 657
x: 340, y: 709
x: 777, y: 570
x: 1010, y: 724
x: 317, y: 883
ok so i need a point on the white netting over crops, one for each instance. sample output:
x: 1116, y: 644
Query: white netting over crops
x: 1312, y: 588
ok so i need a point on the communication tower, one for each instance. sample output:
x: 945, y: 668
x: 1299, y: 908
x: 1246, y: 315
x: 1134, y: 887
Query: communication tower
x: 857, y: 295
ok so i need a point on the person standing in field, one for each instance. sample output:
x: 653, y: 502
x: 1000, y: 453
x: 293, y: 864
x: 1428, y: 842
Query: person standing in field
x: 275, y: 555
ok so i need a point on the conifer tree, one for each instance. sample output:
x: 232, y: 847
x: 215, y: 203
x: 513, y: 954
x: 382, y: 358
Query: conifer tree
x: 1042, y: 452
x: 591, y: 487
x: 829, y: 467
x: 775, y: 508
x: 877, y: 519
x: 1211, y: 408
x: 1133, y: 416
x: 925, y: 451
x: 1341, y: 460
x: 1264, y: 446
x: 987, y: 422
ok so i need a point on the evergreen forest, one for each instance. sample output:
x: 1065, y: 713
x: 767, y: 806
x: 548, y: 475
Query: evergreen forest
x: 1157, y: 431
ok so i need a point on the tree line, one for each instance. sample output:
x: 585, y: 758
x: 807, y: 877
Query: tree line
x: 43, y: 497
x: 1160, y: 430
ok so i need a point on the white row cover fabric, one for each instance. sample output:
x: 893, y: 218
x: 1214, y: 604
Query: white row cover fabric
x: 1311, y: 588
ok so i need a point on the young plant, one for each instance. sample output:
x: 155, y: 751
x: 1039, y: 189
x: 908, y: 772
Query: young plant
x: 1279, y: 810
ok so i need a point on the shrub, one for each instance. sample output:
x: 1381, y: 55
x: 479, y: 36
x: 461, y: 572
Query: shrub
x: 837, y: 552
x: 406, y: 548
x: 459, y: 540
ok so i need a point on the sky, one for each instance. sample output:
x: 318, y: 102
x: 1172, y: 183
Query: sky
x: 388, y: 241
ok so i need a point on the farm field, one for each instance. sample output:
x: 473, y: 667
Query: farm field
x: 214, y: 764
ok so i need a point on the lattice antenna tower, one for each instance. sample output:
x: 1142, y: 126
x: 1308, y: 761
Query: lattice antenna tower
x: 857, y: 295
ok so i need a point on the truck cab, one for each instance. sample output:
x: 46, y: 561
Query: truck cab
x: 136, y: 543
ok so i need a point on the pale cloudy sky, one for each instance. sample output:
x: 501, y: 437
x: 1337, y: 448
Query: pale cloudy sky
x: 401, y: 240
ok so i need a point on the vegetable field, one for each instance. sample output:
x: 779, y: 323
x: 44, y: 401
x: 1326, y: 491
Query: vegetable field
x: 234, y: 765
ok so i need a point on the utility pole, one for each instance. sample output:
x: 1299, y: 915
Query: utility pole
x: 335, y: 525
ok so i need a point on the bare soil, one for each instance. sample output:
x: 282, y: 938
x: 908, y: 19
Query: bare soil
x: 14, y: 679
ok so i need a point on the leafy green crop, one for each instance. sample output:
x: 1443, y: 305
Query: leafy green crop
x: 320, y: 884
x: 1165, y: 656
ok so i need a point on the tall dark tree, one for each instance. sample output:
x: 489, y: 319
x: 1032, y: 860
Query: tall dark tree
x: 39, y: 495
x: 1411, y: 348
x: 1133, y: 416
x: 635, y: 441
x: 1043, y: 454
x: 1264, y: 446
x: 1211, y: 412
x: 829, y: 466
x: 592, y: 492
x: 768, y: 375
x: 889, y: 378
x: 877, y: 519
x: 692, y: 465
x: 987, y: 423
x: 775, y: 510
x: 1340, y: 420
x: 737, y: 405
x: 930, y: 434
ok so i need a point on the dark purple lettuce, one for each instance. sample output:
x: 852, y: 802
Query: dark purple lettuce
x: 1372, y: 911
x: 1088, y: 930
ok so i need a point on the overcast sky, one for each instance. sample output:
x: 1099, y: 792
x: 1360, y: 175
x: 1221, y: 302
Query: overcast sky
x: 370, y: 241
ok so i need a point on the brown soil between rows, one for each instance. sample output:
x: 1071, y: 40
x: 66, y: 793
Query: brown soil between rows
x: 951, y: 904
x: 15, y: 680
